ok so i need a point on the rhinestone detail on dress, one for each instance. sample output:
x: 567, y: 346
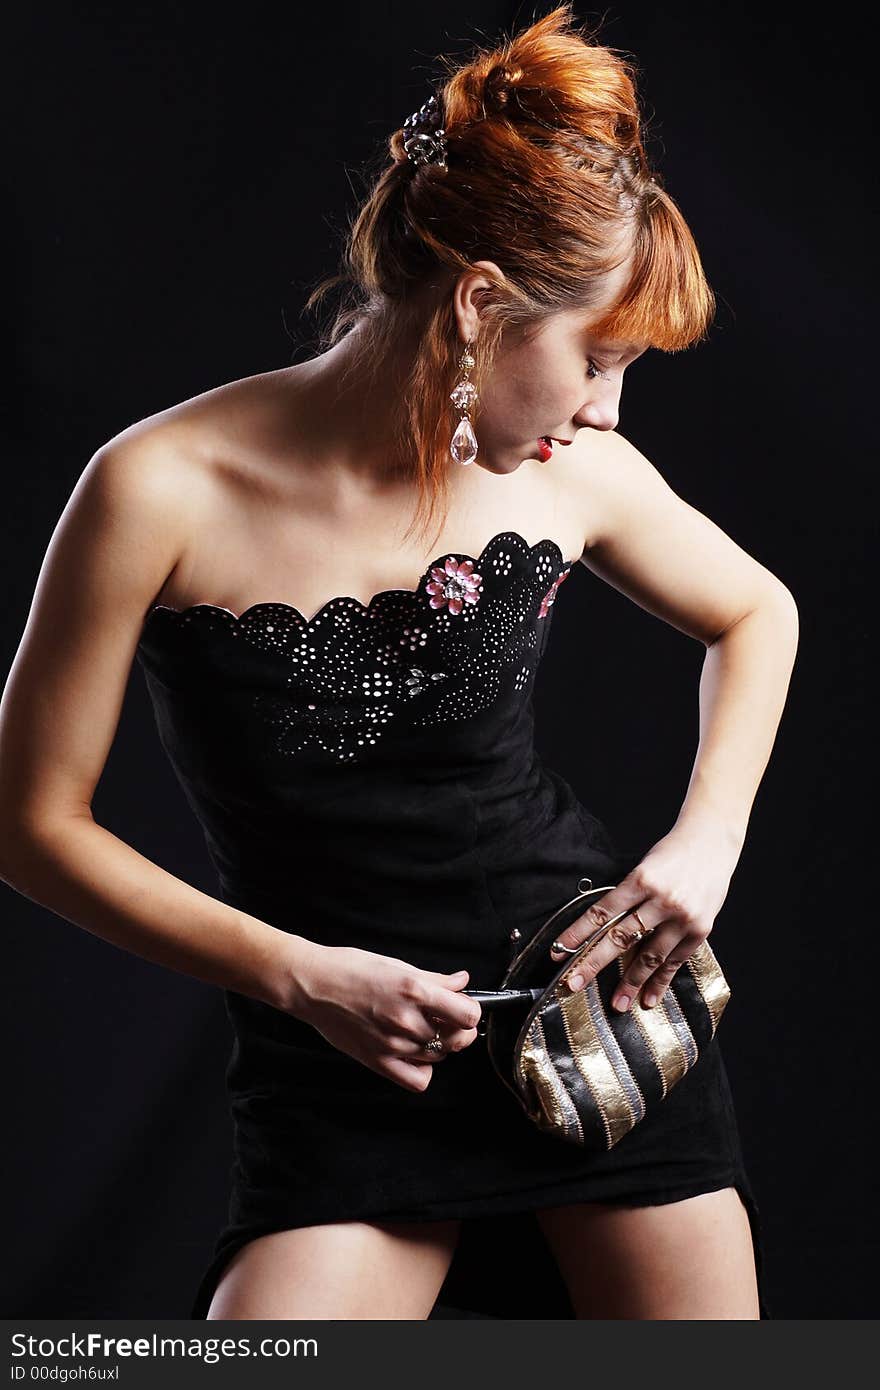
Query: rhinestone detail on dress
x: 409, y: 658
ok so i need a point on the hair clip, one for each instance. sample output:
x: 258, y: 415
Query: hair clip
x: 424, y: 136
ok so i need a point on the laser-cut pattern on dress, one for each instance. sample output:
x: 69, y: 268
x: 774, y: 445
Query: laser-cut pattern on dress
x: 410, y: 657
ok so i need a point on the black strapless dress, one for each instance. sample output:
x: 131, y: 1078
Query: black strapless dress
x: 368, y: 777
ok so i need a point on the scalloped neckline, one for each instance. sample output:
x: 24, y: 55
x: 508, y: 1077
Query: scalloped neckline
x: 280, y: 604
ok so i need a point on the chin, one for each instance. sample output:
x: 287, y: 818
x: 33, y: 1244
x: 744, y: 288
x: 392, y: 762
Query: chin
x: 496, y: 465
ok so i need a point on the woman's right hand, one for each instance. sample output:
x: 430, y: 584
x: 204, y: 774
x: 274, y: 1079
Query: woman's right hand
x: 382, y: 1011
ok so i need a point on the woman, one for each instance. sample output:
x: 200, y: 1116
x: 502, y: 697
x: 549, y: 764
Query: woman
x: 345, y: 695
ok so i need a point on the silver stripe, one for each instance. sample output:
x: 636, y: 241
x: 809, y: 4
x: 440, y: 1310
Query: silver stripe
x: 566, y: 1104
x: 612, y: 1049
x: 682, y: 1027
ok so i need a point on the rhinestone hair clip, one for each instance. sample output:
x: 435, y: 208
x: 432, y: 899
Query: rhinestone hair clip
x: 424, y: 138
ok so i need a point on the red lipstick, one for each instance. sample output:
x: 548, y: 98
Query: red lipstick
x: 545, y: 445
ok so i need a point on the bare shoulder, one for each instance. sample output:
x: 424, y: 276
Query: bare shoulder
x: 126, y: 527
x: 116, y: 537
x: 128, y: 515
x: 147, y: 468
x: 164, y: 471
x: 603, y: 475
x: 175, y: 448
x: 650, y: 543
x: 129, y: 521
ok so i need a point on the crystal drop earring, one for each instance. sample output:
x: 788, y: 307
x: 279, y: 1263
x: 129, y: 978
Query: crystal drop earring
x: 463, y: 447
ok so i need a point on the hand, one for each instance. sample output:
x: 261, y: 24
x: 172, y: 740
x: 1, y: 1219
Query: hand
x: 678, y: 889
x: 382, y: 1011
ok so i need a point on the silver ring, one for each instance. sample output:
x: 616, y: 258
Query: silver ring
x: 571, y: 950
x: 434, y: 1044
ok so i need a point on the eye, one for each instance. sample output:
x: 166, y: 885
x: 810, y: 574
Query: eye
x: 593, y: 367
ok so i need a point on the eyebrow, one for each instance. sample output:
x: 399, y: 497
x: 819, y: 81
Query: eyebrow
x: 625, y: 349
x: 635, y: 349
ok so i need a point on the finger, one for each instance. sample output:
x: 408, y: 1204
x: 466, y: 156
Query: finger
x: 658, y: 983
x: 619, y: 937
x: 624, y: 932
x: 454, y: 1041
x: 456, y: 980
x: 647, y: 957
x: 413, y: 1076
x: 451, y: 1009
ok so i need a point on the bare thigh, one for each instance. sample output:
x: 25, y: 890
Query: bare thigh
x: 343, y: 1270
x: 692, y: 1259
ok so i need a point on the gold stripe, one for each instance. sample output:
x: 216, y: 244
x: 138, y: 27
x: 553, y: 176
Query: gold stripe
x: 613, y: 1050
x: 681, y: 1026
x: 538, y: 1071
x: 710, y: 980
x: 662, y: 1039
x: 622, y: 964
x: 595, y: 1067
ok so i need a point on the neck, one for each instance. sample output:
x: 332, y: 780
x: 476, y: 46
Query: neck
x: 344, y: 413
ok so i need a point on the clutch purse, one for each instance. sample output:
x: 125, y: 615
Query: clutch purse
x: 580, y: 1069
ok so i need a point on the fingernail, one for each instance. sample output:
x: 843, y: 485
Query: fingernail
x: 650, y: 1000
x: 575, y: 982
x: 622, y: 1003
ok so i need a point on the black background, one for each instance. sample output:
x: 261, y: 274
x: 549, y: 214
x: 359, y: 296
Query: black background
x: 178, y: 179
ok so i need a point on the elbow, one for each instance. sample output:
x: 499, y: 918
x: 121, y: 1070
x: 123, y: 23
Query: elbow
x: 17, y: 847
x: 786, y: 605
x: 775, y: 604
x: 26, y: 845
x: 781, y: 610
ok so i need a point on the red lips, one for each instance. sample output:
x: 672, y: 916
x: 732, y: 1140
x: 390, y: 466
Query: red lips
x: 545, y: 447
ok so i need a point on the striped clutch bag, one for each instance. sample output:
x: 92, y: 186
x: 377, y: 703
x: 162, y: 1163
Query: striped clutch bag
x: 581, y: 1069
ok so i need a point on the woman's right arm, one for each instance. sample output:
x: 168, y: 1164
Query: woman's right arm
x: 121, y: 534
x: 118, y: 538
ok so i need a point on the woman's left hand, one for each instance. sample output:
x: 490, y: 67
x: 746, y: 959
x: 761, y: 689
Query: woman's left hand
x: 678, y: 889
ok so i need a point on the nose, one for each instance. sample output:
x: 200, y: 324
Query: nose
x: 599, y: 415
x: 601, y: 412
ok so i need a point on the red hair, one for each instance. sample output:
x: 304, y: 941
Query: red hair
x: 546, y: 177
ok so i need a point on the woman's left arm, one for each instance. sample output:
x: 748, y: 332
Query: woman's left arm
x: 673, y: 561
x: 743, y: 687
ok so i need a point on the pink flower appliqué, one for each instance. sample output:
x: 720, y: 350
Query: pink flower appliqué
x: 548, y: 599
x: 453, y: 585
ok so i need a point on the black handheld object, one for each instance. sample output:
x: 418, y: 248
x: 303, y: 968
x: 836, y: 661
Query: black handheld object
x: 496, y: 998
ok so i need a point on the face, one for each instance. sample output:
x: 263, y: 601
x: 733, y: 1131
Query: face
x: 553, y: 382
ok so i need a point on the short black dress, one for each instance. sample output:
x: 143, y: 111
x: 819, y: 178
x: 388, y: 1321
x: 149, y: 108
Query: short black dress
x: 368, y: 778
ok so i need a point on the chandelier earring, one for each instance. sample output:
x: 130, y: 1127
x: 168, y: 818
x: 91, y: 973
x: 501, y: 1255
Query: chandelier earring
x: 464, y: 397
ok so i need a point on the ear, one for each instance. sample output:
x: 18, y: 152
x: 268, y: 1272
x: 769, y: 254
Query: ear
x: 470, y: 289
